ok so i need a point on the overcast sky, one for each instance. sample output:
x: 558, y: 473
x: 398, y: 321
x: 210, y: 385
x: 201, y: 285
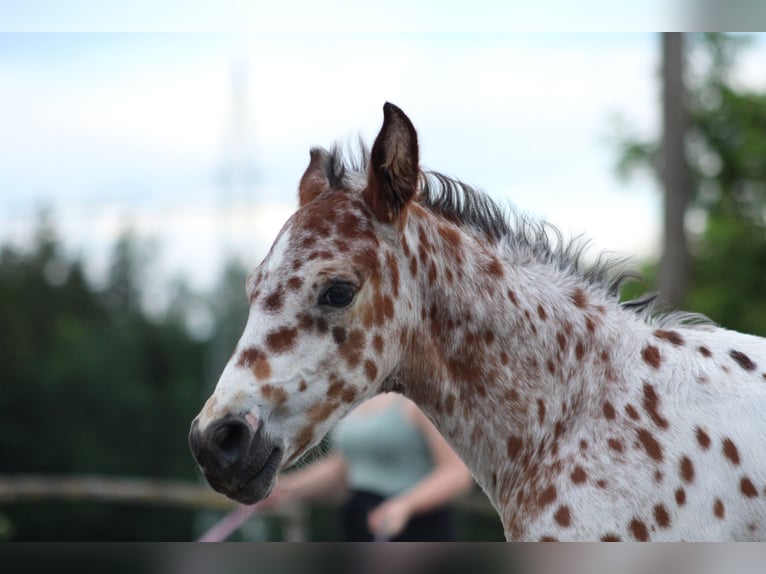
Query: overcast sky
x: 116, y: 130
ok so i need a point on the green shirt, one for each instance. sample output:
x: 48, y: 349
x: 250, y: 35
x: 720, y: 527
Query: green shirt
x: 385, y: 452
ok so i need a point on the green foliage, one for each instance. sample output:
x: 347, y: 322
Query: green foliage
x: 90, y: 384
x: 726, y: 150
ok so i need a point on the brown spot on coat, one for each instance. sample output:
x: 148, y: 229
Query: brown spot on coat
x: 730, y: 451
x: 650, y: 444
x: 704, y: 351
x: 742, y: 360
x: 578, y: 475
x: 631, y: 411
x: 609, y: 411
x: 615, y: 444
x: 651, y: 356
x: 638, y: 530
x: 670, y: 336
x: 547, y: 496
x: 563, y: 516
x: 718, y: 509
x: 579, y: 298
x: 703, y: 438
x: 610, y: 538
x: 747, y: 487
x: 686, y: 469
x: 540, y: 411
x: 513, y: 446
x: 541, y: 312
x: 651, y: 405
x: 370, y: 369
x: 680, y: 496
x: 661, y: 516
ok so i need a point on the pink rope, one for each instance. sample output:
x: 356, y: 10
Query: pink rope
x: 229, y: 524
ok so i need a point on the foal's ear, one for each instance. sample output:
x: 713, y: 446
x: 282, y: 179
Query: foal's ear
x: 393, y: 172
x: 314, y: 180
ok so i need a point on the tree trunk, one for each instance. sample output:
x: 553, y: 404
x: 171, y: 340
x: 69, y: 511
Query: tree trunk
x: 675, y: 265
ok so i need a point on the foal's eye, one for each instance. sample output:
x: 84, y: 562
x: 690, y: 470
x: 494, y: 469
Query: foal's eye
x: 338, y: 295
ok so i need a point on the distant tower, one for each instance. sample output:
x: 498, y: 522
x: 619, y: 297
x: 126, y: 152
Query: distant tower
x: 237, y: 173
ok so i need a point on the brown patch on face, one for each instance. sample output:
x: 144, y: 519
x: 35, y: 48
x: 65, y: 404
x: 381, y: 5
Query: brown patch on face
x: 339, y: 335
x: 651, y: 356
x: 650, y: 444
x: 274, y: 301
x: 351, y: 350
x: 255, y: 359
x: 742, y: 360
x: 680, y: 497
x: 718, y: 509
x: 563, y: 516
x: 703, y: 438
x: 294, y: 283
x: 639, y: 530
x: 281, y: 340
x: 579, y: 298
x: 661, y: 516
x: 747, y: 487
x: 609, y: 411
x: 651, y: 405
x: 730, y: 451
x: 377, y: 344
x: 704, y: 351
x: 670, y: 336
x: 578, y: 476
x: 277, y: 395
x: 686, y: 469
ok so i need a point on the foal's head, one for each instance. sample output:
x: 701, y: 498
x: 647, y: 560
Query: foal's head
x: 329, y: 310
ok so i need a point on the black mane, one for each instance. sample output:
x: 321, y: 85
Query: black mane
x: 469, y: 207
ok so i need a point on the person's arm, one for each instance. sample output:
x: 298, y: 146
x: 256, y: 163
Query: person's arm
x: 323, y: 478
x: 448, y: 479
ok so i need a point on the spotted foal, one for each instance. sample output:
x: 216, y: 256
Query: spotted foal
x: 580, y: 417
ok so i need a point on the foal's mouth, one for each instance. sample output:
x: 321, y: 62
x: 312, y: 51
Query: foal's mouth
x: 259, y: 486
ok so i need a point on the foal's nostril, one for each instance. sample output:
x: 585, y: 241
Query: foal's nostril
x: 230, y: 439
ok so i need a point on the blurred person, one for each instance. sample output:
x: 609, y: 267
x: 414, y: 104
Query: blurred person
x: 397, y: 473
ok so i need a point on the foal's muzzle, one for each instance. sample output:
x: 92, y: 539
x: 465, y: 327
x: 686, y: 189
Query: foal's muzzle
x: 236, y: 460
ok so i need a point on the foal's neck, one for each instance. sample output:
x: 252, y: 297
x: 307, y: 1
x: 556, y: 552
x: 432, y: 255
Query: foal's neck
x: 513, y: 349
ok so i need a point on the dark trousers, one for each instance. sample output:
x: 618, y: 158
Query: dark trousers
x: 438, y: 525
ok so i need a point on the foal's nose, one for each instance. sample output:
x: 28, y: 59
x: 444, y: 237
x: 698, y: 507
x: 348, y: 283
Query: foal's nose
x: 222, y: 445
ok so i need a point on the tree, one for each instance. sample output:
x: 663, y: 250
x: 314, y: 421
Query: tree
x: 725, y: 147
